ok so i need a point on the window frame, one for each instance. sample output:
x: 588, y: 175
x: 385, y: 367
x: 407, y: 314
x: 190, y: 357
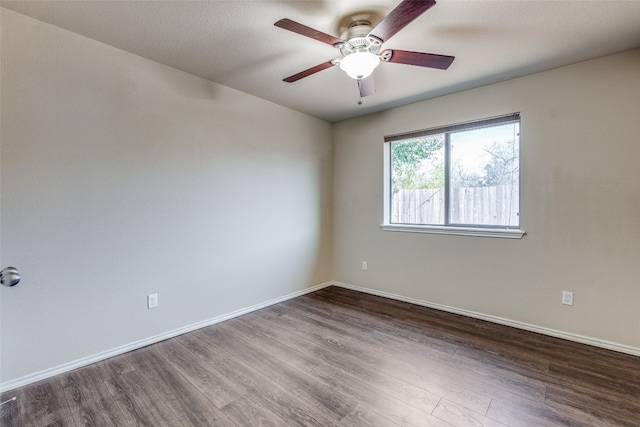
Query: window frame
x: 515, y: 232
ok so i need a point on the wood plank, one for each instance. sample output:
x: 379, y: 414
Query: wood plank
x: 542, y: 414
x: 448, y: 327
x: 587, y: 381
x: 246, y: 412
x: 270, y: 393
x: 395, y: 333
x: 89, y: 399
x: 250, y: 353
x: 427, y: 384
x: 364, y: 416
x: 341, y: 358
x: 115, y: 366
x: 186, y: 402
x: 478, y: 376
x: 618, y: 411
x: 65, y: 422
x: 423, y: 371
x: 139, y: 401
x: 10, y: 411
x: 470, y: 356
x: 207, y: 378
x: 457, y: 415
x: 44, y: 403
x: 369, y: 386
x: 101, y: 412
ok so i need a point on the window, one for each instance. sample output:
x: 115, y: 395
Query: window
x: 457, y: 179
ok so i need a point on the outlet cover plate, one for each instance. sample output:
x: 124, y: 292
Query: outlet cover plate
x: 152, y: 300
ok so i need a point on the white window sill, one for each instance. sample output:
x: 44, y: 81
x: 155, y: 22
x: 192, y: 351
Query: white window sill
x: 505, y: 233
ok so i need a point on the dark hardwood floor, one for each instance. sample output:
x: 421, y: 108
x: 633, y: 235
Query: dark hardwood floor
x: 342, y: 358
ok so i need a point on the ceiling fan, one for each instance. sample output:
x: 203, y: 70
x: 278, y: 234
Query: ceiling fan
x: 360, y: 45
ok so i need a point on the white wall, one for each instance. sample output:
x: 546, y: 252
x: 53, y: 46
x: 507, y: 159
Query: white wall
x: 122, y: 177
x: 580, y: 207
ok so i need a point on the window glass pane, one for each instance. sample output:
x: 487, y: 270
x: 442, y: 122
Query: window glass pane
x: 417, y: 181
x: 484, y: 176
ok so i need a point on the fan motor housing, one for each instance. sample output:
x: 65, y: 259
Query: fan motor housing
x: 357, y: 39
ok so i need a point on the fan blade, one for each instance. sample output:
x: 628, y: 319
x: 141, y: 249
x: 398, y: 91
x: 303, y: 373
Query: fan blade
x: 309, y: 71
x: 400, y: 17
x: 420, y: 59
x: 290, y: 25
x: 366, y: 86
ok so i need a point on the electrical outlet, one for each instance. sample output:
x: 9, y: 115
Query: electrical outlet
x: 365, y: 266
x: 567, y: 298
x: 152, y: 300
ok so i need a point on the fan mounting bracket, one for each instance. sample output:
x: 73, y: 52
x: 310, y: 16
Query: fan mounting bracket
x: 386, y: 55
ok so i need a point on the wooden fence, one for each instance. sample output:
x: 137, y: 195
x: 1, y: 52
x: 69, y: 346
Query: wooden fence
x: 472, y: 205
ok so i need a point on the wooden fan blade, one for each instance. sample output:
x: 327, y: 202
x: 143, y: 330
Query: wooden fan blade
x: 366, y: 86
x: 400, y: 17
x: 420, y: 59
x: 298, y: 28
x: 309, y: 71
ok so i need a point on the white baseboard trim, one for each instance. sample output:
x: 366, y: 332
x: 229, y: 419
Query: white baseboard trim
x: 502, y: 321
x: 48, y: 373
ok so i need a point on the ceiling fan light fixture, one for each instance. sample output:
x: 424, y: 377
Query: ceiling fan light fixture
x: 359, y: 65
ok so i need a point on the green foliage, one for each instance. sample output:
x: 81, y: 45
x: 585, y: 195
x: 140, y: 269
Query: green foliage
x: 417, y: 164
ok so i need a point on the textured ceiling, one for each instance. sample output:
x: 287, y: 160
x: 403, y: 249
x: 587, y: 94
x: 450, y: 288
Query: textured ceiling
x: 235, y: 43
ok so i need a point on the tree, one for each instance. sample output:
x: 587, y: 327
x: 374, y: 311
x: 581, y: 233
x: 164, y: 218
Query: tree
x: 501, y: 168
x: 417, y: 164
x: 504, y: 166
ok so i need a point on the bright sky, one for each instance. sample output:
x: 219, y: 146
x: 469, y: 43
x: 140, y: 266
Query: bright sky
x: 468, y: 147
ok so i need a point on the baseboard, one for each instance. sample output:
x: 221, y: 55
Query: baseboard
x: 48, y: 373
x: 502, y: 321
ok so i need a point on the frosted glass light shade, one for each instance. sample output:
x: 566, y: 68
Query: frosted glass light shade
x: 359, y: 65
